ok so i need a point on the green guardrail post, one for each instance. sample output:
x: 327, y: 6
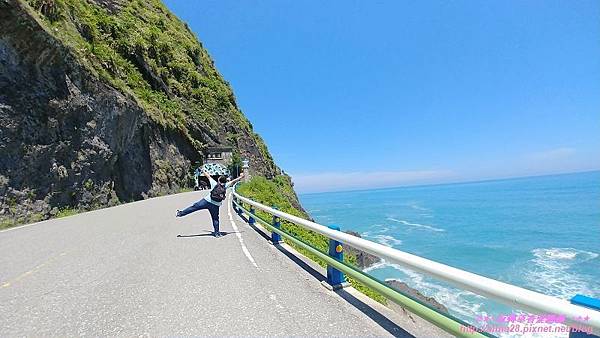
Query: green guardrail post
x: 275, y: 237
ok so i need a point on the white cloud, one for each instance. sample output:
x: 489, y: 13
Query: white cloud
x: 557, y: 160
x: 553, y: 155
x: 333, y: 181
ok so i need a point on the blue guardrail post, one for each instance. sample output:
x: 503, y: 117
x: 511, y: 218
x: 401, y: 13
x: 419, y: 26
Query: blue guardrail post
x: 238, y: 209
x: 275, y: 237
x: 588, y: 302
x: 335, y: 278
x: 250, y: 218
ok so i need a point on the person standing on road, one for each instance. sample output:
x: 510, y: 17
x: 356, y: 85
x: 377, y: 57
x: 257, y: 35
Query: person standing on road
x: 212, y: 201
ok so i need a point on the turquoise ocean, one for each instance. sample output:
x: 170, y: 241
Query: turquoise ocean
x: 541, y: 233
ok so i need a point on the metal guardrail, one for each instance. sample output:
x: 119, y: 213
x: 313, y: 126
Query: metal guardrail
x: 511, y: 295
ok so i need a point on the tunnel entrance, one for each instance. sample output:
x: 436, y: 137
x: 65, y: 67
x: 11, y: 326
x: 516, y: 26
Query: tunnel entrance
x: 215, y: 170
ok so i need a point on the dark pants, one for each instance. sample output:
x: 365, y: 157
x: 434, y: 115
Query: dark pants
x: 204, y: 204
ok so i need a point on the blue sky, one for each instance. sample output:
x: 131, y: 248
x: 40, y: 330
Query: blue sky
x: 358, y: 94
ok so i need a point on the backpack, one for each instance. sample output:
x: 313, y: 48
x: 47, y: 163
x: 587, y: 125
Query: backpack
x: 218, y: 193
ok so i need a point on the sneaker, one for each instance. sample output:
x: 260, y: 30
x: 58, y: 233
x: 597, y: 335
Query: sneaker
x: 178, y: 213
x: 217, y: 234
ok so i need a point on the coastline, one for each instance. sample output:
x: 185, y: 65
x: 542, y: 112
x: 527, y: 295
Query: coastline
x: 366, y: 261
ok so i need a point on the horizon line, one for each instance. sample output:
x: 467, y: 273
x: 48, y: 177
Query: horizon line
x: 416, y: 185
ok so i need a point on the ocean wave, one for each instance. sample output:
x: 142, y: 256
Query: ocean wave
x: 548, y: 274
x: 375, y: 266
x: 418, y: 207
x: 551, y: 273
x: 387, y: 240
x: 464, y: 304
x: 416, y: 225
x: 377, y: 229
x: 564, y: 254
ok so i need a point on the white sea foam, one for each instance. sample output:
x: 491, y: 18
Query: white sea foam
x: 551, y: 272
x: 375, y: 266
x: 387, y: 240
x: 417, y: 207
x: 550, y: 266
x: 416, y: 225
x: 376, y: 228
x: 564, y: 253
x: 464, y: 304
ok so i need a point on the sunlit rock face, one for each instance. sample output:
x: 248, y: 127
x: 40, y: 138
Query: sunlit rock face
x: 104, y: 102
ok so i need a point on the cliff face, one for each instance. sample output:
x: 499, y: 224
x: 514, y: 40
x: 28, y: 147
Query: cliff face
x: 106, y: 101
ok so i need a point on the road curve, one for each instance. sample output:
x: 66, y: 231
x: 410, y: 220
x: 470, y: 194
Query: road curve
x: 135, y: 269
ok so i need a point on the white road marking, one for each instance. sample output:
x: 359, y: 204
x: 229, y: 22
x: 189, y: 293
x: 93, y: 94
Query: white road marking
x: 22, y: 226
x: 239, y: 235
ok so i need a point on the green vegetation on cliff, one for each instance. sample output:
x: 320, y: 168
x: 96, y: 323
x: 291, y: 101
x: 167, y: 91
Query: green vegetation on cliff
x: 105, y: 102
x: 279, y: 192
x: 142, y: 49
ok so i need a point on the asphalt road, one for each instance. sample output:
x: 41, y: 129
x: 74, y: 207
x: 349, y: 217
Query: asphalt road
x: 135, y: 269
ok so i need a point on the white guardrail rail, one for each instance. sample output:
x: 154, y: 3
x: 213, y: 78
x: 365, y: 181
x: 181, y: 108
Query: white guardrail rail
x: 511, y: 295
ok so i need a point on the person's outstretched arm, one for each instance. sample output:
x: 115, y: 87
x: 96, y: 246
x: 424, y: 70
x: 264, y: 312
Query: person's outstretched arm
x: 211, y: 182
x: 232, y: 182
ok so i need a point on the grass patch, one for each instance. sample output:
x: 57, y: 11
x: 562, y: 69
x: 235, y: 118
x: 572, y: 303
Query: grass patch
x: 66, y: 212
x: 145, y: 51
x: 9, y: 223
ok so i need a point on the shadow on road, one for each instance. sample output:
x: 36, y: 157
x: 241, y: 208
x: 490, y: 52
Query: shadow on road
x: 208, y: 234
x: 259, y: 231
x: 377, y: 317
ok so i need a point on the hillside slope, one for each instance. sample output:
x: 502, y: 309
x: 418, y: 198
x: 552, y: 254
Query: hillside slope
x: 106, y: 101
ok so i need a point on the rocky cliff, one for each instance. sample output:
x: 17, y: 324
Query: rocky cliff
x: 415, y: 294
x: 363, y: 259
x: 106, y: 101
